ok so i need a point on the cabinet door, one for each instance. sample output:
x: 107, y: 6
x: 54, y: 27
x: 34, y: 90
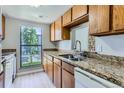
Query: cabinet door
x: 93, y: 19
x: 3, y: 27
x: 67, y: 79
x: 99, y: 18
x: 118, y: 17
x: 45, y: 64
x: 52, y: 30
x: 50, y: 69
x: 58, y: 29
x: 67, y: 17
x: 78, y: 11
x: 103, y: 18
x: 57, y: 76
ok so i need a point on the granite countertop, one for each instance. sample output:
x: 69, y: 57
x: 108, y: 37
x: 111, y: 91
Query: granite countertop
x: 112, y: 71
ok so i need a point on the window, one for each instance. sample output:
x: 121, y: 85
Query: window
x: 30, y: 46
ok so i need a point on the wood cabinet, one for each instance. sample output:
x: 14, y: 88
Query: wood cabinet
x: 99, y: 18
x: 1, y: 80
x: 60, y: 73
x: 118, y: 17
x: 67, y: 17
x: 3, y: 26
x: 52, y: 32
x: 50, y: 69
x: 57, y: 75
x: 78, y: 11
x: 60, y: 32
x: 45, y: 64
x: 58, y: 29
x: 67, y: 79
x: 48, y: 66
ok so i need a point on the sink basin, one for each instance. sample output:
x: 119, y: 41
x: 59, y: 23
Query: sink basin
x: 68, y: 56
x: 72, y: 57
x: 76, y: 59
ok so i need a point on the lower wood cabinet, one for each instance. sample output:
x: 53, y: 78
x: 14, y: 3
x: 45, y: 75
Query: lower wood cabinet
x: 67, y: 79
x: 60, y: 73
x: 45, y: 64
x: 57, y: 76
x: 50, y: 69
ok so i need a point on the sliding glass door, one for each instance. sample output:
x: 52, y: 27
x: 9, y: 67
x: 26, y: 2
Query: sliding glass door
x: 30, y: 46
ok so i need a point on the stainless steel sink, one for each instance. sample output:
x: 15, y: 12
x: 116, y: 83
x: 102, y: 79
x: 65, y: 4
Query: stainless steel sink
x: 68, y: 56
x: 72, y: 57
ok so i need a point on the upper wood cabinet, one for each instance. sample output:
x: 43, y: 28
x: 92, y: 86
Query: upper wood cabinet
x: 67, y: 17
x: 99, y: 18
x: 61, y: 33
x: 58, y: 29
x: 3, y: 27
x: 118, y: 17
x: 78, y: 11
x: 52, y: 32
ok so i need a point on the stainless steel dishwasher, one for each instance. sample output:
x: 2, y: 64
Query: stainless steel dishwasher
x: 84, y: 79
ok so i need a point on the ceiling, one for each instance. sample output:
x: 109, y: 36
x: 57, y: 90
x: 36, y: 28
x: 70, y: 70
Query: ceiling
x: 48, y: 13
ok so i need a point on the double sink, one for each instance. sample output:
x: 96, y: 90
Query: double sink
x: 73, y: 57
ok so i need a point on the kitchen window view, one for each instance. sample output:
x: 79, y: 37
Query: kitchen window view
x: 30, y: 46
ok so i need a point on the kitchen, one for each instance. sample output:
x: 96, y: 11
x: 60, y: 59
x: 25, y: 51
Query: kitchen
x: 81, y: 46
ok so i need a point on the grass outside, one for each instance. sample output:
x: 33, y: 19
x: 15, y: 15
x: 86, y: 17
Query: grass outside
x: 31, y: 64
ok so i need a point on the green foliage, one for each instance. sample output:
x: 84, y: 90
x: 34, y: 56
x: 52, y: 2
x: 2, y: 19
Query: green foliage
x: 30, y: 37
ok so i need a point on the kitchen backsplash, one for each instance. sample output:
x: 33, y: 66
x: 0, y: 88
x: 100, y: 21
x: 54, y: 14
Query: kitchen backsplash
x: 91, y: 43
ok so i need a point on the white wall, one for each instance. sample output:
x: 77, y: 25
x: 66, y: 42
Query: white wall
x: 77, y: 33
x: 12, y: 35
x: 111, y: 45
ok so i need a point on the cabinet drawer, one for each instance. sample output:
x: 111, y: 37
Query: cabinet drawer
x: 57, y: 61
x: 68, y: 67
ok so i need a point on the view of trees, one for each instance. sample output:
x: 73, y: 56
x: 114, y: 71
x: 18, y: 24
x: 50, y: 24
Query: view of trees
x: 30, y: 37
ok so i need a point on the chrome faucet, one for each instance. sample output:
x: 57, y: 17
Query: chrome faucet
x: 75, y: 46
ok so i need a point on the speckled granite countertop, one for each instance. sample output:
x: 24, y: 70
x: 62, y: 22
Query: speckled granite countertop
x: 112, y: 71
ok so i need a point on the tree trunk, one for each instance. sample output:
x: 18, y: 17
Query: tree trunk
x: 30, y: 58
